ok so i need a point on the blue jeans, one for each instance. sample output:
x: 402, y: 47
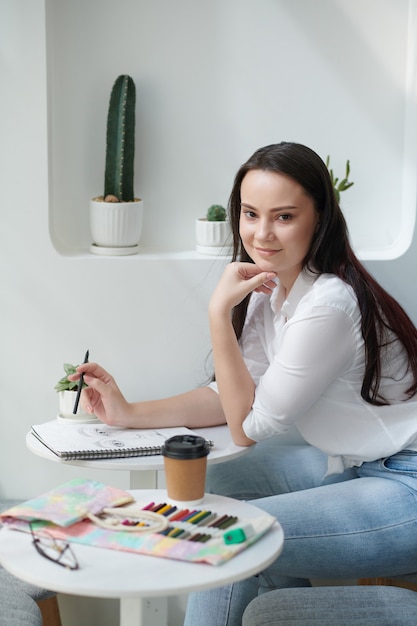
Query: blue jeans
x: 359, y: 524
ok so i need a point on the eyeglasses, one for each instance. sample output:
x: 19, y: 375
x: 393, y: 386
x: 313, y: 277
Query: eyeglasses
x: 56, y: 550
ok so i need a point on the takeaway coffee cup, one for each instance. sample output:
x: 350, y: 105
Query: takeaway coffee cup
x: 185, y: 462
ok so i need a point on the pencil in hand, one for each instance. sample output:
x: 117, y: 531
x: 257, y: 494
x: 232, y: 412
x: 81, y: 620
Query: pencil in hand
x: 80, y: 385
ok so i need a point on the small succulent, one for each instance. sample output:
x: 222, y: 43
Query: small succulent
x: 216, y: 213
x: 68, y: 385
x: 339, y: 186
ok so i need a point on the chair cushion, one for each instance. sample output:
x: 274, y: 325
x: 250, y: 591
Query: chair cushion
x: 17, y: 609
x: 9, y: 583
x: 373, y: 605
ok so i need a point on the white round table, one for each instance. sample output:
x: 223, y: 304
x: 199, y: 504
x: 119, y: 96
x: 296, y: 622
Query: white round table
x: 134, y: 577
x: 143, y: 470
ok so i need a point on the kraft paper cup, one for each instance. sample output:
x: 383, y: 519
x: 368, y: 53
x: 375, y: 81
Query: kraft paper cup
x: 185, y: 462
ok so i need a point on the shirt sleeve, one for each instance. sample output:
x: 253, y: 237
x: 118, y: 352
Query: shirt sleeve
x: 252, y: 341
x: 312, y: 351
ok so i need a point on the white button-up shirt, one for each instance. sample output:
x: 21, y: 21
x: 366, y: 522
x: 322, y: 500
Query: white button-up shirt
x: 306, y: 355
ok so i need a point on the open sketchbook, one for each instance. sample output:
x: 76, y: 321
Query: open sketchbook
x: 99, y: 441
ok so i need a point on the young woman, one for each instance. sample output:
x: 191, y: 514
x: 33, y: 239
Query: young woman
x: 301, y: 334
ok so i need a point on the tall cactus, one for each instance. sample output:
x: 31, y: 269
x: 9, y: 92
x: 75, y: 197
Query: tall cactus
x: 120, y: 148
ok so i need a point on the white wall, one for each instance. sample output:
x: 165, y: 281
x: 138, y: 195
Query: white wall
x: 145, y: 320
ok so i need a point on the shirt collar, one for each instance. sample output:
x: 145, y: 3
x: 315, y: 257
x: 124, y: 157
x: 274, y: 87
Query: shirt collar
x: 301, y: 286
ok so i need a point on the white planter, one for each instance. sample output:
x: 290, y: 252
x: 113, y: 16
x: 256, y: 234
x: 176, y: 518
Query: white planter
x: 213, y: 238
x: 66, y: 407
x: 116, y: 227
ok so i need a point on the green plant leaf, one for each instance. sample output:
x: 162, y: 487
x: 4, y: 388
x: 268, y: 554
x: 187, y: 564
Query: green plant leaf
x: 68, y: 385
x: 343, y: 184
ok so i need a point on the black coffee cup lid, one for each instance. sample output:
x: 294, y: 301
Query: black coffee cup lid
x: 186, y: 447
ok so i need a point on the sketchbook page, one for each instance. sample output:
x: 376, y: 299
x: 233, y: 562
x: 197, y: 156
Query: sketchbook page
x: 75, y: 441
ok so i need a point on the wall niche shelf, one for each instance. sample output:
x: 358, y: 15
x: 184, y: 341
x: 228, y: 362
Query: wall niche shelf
x: 150, y: 255
x: 365, y: 110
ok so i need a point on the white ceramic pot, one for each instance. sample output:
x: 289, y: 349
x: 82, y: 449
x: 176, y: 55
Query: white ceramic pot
x: 116, y: 227
x: 66, y: 407
x: 213, y: 238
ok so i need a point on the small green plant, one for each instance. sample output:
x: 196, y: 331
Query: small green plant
x: 120, y: 144
x: 339, y: 186
x: 68, y: 385
x: 216, y: 213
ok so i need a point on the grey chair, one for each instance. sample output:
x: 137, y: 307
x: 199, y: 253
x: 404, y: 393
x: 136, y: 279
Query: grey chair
x: 16, y: 590
x: 18, y: 609
x: 358, y: 605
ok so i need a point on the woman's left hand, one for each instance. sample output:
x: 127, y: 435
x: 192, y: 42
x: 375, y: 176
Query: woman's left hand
x: 237, y: 281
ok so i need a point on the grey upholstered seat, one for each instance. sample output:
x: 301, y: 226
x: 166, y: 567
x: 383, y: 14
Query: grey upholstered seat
x: 7, y: 581
x: 18, y: 609
x: 357, y: 605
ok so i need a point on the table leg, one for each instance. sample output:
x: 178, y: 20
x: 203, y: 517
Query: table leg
x: 143, y: 611
x: 147, y: 479
x: 131, y: 612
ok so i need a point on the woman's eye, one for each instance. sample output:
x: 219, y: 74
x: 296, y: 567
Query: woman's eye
x: 285, y: 217
x: 250, y: 214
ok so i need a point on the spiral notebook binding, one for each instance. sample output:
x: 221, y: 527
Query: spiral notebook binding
x: 111, y: 454
x: 73, y: 441
x: 107, y: 453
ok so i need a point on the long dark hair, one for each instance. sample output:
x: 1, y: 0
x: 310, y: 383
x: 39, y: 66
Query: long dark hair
x: 331, y: 252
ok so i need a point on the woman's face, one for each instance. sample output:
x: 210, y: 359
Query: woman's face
x: 277, y: 223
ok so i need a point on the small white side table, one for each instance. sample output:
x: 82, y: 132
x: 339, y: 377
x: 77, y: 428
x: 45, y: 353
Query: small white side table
x: 134, y: 578
x: 143, y: 469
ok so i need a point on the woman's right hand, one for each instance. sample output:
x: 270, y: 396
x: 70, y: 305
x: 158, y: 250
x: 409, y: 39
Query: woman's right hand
x: 237, y: 281
x: 102, y: 396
